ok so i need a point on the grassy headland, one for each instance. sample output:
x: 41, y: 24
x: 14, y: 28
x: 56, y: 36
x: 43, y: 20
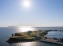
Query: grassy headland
x: 27, y: 36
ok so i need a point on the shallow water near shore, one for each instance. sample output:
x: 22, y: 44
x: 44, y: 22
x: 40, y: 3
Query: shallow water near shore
x: 30, y: 44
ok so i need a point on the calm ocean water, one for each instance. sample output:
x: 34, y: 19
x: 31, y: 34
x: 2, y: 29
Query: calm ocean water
x: 5, y: 33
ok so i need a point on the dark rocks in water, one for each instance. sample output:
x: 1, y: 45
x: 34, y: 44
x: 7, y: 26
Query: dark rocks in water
x: 13, y: 40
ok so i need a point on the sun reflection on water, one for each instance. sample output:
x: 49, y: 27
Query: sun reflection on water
x: 25, y: 44
x: 25, y: 28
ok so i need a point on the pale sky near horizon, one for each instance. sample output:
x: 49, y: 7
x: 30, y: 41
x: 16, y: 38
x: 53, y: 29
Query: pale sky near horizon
x: 38, y: 13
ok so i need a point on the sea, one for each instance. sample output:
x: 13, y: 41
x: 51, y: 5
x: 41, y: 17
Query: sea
x: 5, y: 34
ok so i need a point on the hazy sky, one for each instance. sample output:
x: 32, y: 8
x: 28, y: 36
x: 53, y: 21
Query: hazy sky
x: 38, y: 13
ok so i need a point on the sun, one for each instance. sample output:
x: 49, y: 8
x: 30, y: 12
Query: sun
x: 26, y: 3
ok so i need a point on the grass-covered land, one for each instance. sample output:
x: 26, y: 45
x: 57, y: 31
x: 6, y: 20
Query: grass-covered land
x: 29, y: 34
x: 26, y: 36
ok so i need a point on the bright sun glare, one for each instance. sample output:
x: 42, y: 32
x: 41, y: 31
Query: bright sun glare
x: 26, y: 3
x: 26, y: 28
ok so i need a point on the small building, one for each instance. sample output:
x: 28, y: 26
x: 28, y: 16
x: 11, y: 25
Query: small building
x: 29, y: 32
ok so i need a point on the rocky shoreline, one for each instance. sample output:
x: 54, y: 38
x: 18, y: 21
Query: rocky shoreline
x: 50, y: 41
